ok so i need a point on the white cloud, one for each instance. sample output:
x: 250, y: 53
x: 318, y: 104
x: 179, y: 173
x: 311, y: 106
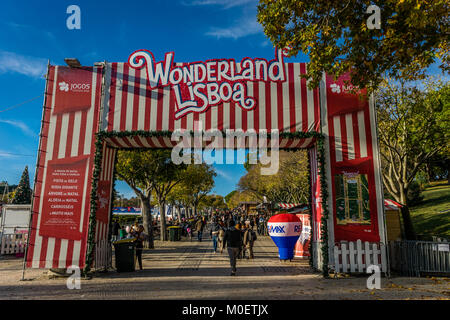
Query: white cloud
x: 226, y: 4
x: 223, y: 174
x: 21, y: 125
x: 240, y: 29
x: 29, y: 66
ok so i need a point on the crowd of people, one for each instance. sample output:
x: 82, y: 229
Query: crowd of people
x: 234, y: 231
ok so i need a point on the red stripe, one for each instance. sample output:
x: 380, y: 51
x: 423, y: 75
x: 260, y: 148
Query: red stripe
x: 112, y: 96
x: 232, y: 125
x: 304, y: 99
x: 124, y: 93
x: 57, y: 137
x: 43, y: 252
x: 171, y: 110
x: 40, y: 170
x: 256, y: 110
x: 137, y: 86
x: 268, y: 106
x: 148, y: 99
x: 293, y: 121
x: 82, y: 132
x: 344, y: 140
x: 356, y: 143
x: 280, y: 105
x: 70, y: 135
x: 316, y: 110
x: 159, y: 110
x: 220, y: 111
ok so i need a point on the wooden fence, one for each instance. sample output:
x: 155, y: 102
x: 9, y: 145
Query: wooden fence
x: 103, y: 255
x: 351, y: 257
x: 13, y: 243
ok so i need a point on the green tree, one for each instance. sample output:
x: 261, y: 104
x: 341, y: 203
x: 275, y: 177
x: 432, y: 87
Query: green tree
x: 413, y: 121
x: 289, y: 184
x: 335, y: 36
x: 198, y: 180
x: 22, y: 194
x: 149, y: 172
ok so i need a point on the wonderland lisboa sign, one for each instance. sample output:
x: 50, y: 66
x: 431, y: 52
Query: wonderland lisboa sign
x: 199, y: 85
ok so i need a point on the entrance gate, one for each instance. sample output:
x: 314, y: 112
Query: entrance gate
x: 91, y: 112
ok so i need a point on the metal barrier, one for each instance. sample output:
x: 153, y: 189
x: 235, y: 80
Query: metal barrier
x: 411, y: 258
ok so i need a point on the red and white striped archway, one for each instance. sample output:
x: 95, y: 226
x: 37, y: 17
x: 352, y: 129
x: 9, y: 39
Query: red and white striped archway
x: 116, y: 98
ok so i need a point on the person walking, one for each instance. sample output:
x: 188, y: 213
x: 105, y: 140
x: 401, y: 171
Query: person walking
x: 233, y: 240
x: 199, y: 228
x: 115, y: 231
x: 214, y: 233
x: 221, y: 237
x: 140, y: 237
x: 248, y: 240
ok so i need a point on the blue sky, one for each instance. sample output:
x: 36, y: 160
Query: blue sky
x: 33, y: 32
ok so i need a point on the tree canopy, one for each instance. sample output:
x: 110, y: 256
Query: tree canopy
x: 336, y: 37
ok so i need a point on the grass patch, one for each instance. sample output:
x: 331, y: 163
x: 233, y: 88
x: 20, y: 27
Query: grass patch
x: 432, y: 215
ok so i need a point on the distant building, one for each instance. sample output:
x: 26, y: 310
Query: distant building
x: 249, y: 207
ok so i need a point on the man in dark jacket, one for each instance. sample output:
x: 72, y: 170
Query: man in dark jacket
x: 233, y: 240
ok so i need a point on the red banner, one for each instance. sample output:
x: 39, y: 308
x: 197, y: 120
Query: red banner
x: 104, y: 195
x: 63, y: 196
x: 301, y: 249
x: 73, y: 90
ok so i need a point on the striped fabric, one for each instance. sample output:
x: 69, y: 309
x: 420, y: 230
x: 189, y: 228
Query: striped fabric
x: 64, y: 136
x: 129, y: 106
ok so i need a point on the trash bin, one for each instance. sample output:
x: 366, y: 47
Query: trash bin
x: 174, y: 233
x: 125, y: 253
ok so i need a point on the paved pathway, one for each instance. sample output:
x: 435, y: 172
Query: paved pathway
x: 190, y: 270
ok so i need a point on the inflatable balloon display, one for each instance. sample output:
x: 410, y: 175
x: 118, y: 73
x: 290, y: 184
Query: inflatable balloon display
x: 284, y: 229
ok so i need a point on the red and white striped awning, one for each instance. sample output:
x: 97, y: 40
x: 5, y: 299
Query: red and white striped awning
x: 288, y: 205
x: 391, y: 205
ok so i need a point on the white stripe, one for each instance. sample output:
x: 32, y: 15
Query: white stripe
x: 261, y: 105
x: 96, y: 231
x: 144, y: 142
x: 63, y: 136
x: 250, y: 114
x: 226, y: 115
x: 130, y: 99
x: 306, y: 143
x: 63, y: 253
x: 76, y: 133
x: 118, y: 97
x: 298, y: 97
x: 153, y: 109
x: 90, y: 116
x: 310, y: 106
x: 84, y: 195
x: 166, y: 108
x: 48, y: 156
x: 214, y: 116
x: 350, y: 139
x: 337, y: 138
x: 167, y: 142
x: 273, y: 105
x: 106, y: 107
x: 131, y: 141
x: 190, y: 121
x: 362, y: 135
x: 76, y: 253
x: 142, y: 99
x: 156, y: 142
x: 286, y: 111
x: 50, y: 251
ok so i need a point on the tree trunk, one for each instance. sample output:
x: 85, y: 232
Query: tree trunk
x: 147, y: 220
x: 162, y: 208
x: 406, y: 215
x: 407, y: 221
